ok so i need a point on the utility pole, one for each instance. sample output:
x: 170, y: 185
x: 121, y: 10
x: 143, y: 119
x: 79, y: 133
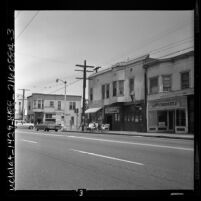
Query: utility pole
x: 84, y: 87
x: 23, y: 98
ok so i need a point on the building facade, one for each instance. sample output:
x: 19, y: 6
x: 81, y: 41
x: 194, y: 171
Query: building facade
x: 43, y: 108
x: 117, y: 96
x: 170, y: 98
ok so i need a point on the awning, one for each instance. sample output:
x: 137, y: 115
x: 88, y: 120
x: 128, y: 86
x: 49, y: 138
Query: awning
x: 92, y: 110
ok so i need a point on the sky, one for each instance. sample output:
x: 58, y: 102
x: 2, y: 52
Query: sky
x: 48, y: 44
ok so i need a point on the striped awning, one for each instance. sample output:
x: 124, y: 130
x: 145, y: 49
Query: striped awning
x: 92, y: 110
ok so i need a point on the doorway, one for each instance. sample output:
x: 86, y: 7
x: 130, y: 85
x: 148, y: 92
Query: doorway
x: 171, y: 120
x: 109, y: 120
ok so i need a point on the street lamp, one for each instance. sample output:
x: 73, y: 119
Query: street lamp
x: 57, y: 80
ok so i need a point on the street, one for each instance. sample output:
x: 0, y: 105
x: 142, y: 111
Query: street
x: 69, y: 161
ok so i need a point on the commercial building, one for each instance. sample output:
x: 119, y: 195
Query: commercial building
x: 170, y: 98
x: 52, y: 108
x: 117, y: 96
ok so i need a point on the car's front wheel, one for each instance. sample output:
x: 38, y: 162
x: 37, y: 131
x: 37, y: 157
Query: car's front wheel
x: 30, y: 127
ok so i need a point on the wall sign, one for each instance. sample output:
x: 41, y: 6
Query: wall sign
x: 111, y: 110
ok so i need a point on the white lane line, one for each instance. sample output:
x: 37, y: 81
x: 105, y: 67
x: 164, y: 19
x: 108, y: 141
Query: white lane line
x: 109, y: 157
x: 134, y: 143
x: 115, y: 141
x: 29, y: 141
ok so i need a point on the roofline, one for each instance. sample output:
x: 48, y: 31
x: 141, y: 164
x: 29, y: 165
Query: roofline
x: 156, y: 61
x: 120, y: 64
x: 53, y: 95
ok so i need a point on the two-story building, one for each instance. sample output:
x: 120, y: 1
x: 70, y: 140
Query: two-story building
x: 117, y: 96
x: 53, y: 108
x: 170, y: 98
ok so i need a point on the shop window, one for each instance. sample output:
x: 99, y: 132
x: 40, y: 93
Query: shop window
x: 132, y: 118
x: 103, y: 91
x: 114, y: 84
x: 184, y: 80
x: 125, y: 118
x: 162, y: 118
x: 153, y: 85
x: 166, y: 79
x: 180, y: 118
x: 107, y: 90
x: 116, y: 117
x: 121, y: 87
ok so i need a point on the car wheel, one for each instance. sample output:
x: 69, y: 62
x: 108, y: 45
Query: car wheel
x: 56, y: 130
x: 37, y: 129
x: 30, y: 127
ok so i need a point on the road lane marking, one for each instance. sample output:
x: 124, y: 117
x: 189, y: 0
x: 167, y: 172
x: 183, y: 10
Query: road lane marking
x: 116, y: 141
x: 133, y: 143
x: 29, y: 141
x: 109, y: 157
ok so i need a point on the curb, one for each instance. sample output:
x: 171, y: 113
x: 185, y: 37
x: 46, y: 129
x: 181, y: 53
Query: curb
x: 127, y: 134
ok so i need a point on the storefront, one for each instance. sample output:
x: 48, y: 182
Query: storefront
x: 134, y: 117
x: 168, y: 115
x: 113, y: 117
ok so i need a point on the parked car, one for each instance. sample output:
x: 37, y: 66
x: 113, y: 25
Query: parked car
x: 48, y: 126
x: 23, y: 124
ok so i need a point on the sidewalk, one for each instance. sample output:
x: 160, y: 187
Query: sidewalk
x: 133, y: 133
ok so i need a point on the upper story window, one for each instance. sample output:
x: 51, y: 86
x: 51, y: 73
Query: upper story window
x: 34, y: 104
x: 185, y: 84
x: 166, y: 79
x: 91, y: 94
x: 121, y: 87
x: 103, y: 91
x: 29, y: 106
x: 153, y: 88
x: 39, y: 104
x: 107, y: 90
x: 114, y: 86
x: 59, y: 105
x: 51, y: 103
x: 72, y: 106
x: 131, y: 85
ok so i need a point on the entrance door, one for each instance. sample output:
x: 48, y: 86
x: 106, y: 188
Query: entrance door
x: 109, y: 120
x: 171, y: 120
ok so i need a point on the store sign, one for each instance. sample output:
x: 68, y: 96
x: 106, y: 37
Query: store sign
x: 111, y: 110
x: 164, y: 104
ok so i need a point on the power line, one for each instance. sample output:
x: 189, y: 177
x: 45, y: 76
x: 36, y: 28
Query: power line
x: 28, y: 24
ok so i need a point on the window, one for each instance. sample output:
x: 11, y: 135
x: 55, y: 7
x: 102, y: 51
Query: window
x: 121, y: 87
x: 162, y: 118
x: 114, y: 84
x: 103, y: 91
x: 59, y: 105
x: 180, y: 118
x: 42, y: 104
x: 48, y: 116
x: 166, y: 79
x: 34, y: 106
x: 72, y: 106
x: 91, y: 94
x: 153, y: 85
x: 107, y: 90
x: 51, y: 103
x: 29, y: 106
x: 131, y: 85
x: 39, y: 104
x: 184, y: 80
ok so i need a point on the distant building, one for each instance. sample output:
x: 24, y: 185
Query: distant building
x: 117, y: 96
x: 170, y: 98
x: 18, y: 107
x: 51, y: 108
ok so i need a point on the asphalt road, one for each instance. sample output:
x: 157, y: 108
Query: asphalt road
x: 70, y: 161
